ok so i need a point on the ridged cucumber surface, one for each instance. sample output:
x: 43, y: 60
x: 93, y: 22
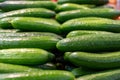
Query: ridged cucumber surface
x: 98, y: 12
x: 91, y: 23
x: 29, y: 12
x: 90, y: 43
x: 38, y: 24
x: 43, y: 42
x: 11, y: 68
x: 85, y: 32
x: 106, y: 75
x: 42, y: 75
x: 25, y: 56
x: 15, y: 5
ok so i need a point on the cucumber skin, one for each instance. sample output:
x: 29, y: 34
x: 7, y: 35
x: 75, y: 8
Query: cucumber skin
x: 29, y: 12
x: 38, y: 24
x: 106, y: 75
x: 105, y: 13
x: 99, y: 43
x: 15, y: 5
x: 91, y: 23
x: 42, y: 75
x: 11, y: 68
x: 25, y: 56
x: 43, y: 42
x: 86, y: 32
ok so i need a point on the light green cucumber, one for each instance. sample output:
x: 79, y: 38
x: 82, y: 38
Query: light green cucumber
x: 36, y: 24
x: 8, y: 30
x: 15, y: 5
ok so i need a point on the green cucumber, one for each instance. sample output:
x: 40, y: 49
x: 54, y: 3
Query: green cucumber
x: 11, y: 68
x: 25, y: 56
x: 29, y: 12
x: 90, y: 43
x: 15, y: 5
x: 91, y: 23
x: 43, y: 42
x: 106, y: 60
x: 98, y: 12
x: 86, y: 32
x: 97, y: 2
x: 70, y: 6
x: 106, y: 75
x: 42, y: 75
x: 38, y: 24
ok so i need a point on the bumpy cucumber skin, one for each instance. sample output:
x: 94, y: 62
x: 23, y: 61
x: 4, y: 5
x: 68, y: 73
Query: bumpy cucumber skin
x: 70, y: 6
x: 106, y: 75
x: 105, y: 13
x: 15, y: 5
x: 38, y: 24
x: 91, y: 23
x: 94, y: 61
x: 25, y: 56
x: 43, y: 42
x: 85, y: 32
x: 91, y: 43
x: 10, y: 68
x: 29, y: 12
x: 42, y: 75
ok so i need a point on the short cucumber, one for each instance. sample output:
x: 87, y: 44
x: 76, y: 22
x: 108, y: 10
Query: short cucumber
x: 90, y: 43
x: 29, y: 12
x: 98, y: 12
x: 41, y: 75
x: 91, y: 23
x: 70, y: 6
x: 38, y: 24
x: 25, y: 56
x: 15, y: 5
x: 106, y: 75
x: 44, y: 42
x: 86, y: 32
x: 10, y: 68
x: 106, y: 60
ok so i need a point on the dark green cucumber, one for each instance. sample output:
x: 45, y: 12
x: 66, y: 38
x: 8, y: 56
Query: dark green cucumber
x: 44, y: 42
x: 91, y: 23
x: 42, y: 75
x: 97, y: 2
x: 10, y: 68
x: 106, y: 60
x: 70, y: 6
x: 91, y: 43
x: 38, y: 24
x: 28, y: 34
x: 86, y: 32
x: 25, y: 56
x: 106, y: 75
x: 98, y: 12
x: 15, y: 5
x: 29, y: 12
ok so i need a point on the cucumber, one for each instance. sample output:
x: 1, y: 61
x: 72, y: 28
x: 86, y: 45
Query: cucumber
x: 98, y: 12
x: 90, y: 43
x: 97, y: 2
x: 8, y: 31
x: 15, y: 5
x: 91, y: 23
x: 42, y: 75
x: 70, y: 6
x: 10, y: 68
x: 24, y: 56
x: 106, y: 75
x: 86, y: 32
x: 38, y: 24
x: 29, y: 12
x: 43, y: 42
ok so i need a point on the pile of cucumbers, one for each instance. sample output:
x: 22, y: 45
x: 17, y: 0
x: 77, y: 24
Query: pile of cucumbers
x: 62, y: 40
